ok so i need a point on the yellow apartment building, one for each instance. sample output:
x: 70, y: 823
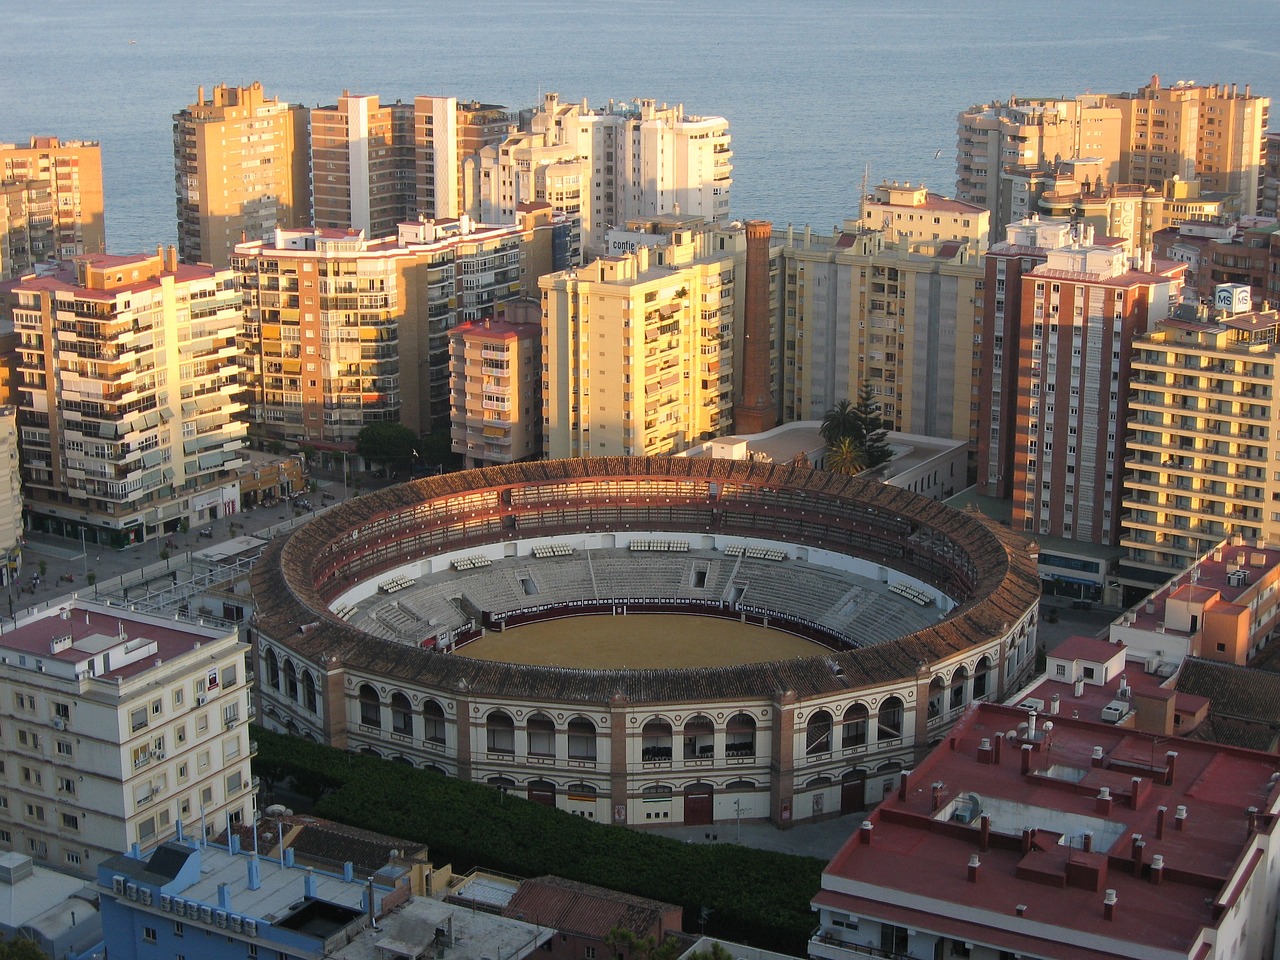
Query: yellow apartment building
x: 637, y: 349
x: 242, y: 169
x: 50, y: 202
x: 496, y: 380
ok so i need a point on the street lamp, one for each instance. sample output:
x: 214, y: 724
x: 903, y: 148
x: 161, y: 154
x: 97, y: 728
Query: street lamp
x: 737, y: 812
x: 84, y: 556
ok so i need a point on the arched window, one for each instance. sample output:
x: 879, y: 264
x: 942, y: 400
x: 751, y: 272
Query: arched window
x: 581, y: 791
x: 433, y: 722
x: 290, y: 681
x: 309, y: 690
x: 432, y: 768
x: 582, y: 739
x: 370, y: 707
x: 401, y: 715
x: 699, y: 738
x: 981, y: 678
x: 959, y: 681
x: 817, y: 734
x: 273, y: 669
x: 500, y: 732
x: 502, y: 783
x: 370, y: 752
x: 937, y: 697
x: 889, y: 726
x: 542, y: 735
x: 655, y: 741
x: 402, y: 759
x: 740, y: 736
x: 853, y: 732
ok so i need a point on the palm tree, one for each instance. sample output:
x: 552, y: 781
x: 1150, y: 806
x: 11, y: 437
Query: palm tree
x: 846, y: 457
x: 839, y: 421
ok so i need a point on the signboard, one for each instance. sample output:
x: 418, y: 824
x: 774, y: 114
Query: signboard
x: 621, y: 242
x: 1232, y: 297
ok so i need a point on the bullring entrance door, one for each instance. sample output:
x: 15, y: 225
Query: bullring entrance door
x: 853, y: 792
x: 698, y: 805
x: 541, y: 791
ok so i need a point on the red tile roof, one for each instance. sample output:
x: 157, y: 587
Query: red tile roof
x: 587, y: 911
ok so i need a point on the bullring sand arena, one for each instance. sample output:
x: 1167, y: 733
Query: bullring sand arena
x: 638, y: 641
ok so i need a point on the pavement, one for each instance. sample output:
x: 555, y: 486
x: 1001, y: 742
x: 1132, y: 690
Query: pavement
x: 822, y: 839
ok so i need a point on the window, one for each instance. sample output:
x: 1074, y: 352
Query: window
x: 73, y: 858
x: 70, y: 821
x: 178, y: 929
x: 35, y: 812
x: 1060, y: 670
x: 62, y: 710
x: 177, y: 698
x: 64, y: 748
x: 149, y: 934
x: 589, y: 953
x: 138, y: 719
x: 157, y: 706
x: 67, y: 785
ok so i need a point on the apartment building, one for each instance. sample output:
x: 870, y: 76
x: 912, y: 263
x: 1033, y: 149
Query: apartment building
x: 1271, y: 176
x: 447, y: 133
x: 893, y: 299
x: 638, y: 349
x: 495, y: 376
x: 126, y: 400
x: 50, y: 202
x: 341, y: 331
x: 1210, y: 134
x: 242, y: 169
x: 1081, y: 310
x: 609, y: 166
x: 117, y: 724
x: 363, y: 165
x: 1066, y: 839
x: 1202, y: 441
x: 11, y: 528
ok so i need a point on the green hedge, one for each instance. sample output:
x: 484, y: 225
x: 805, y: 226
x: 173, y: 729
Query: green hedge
x: 754, y: 896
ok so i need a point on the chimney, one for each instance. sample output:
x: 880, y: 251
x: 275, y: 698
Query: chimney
x: 974, y: 864
x: 936, y: 796
x: 902, y: 785
x: 1078, y: 687
x: 171, y: 259
x: 224, y: 897
x: 864, y: 834
x: 1138, y: 858
x: 1180, y: 818
x: 309, y: 884
x: 1031, y: 725
x: 1102, y: 803
x: 1160, y: 813
x: 1252, y: 816
x: 1170, y: 762
x: 1055, y: 704
x: 348, y: 872
x: 255, y: 872
x: 984, y: 750
x: 1026, y: 759
x: 997, y: 746
x: 755, y: 411
x: 1157, y: 869
x: 1020, y: 909
x: 1086, y: 841
x: 1109, y: 905
x: 984, y: 833
x: 1135, y: 792
x: 1096, y: 759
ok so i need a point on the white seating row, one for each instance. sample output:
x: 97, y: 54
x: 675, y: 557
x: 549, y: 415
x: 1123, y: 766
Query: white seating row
x: 764, y: 553
x: 911, y: 593
x: 553, y: 550
x: 472, y: 562
x: 345, y: 611
x: 394, y: 584
x: 670, y: 546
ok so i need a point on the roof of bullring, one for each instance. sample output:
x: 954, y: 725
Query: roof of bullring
x: 291, y: 610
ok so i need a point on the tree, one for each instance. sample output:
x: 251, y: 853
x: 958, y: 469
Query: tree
x: 387, y: 443
x: 839, y: 421
x: 21, y: 950
x: 871, y: 434
x: 717, y: 952
x: 846, y: 457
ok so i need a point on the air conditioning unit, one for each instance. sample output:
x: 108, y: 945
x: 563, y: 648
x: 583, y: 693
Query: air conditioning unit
x: 158, y: 755
x: 131, y: 891
x: 117, y: 885
x: 201, y: 700
x: 206, y: 914
x: 221, y: 918
x: 237, y: 922
x: 144, y: 896
x: 166, y: 902
x: 193, y: 910
x: 59, y: 723
x: 179, y: 906
x: 251, y: 927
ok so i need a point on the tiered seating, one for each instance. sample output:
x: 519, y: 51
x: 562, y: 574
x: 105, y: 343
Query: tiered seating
x: 736, y: 550
x: 669, y: 546
x: 911, y: 593
x: 764, y: 553
x: 345, y: 611
x: 395, y: 584
x: 552, y: 550
x: 472, y: 562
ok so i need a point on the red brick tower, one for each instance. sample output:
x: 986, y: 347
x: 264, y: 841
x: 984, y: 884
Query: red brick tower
x: 755, y: 410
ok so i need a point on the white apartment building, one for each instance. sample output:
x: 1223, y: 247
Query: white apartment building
x: 10, y: 498
x: 113, y: 726
x: 608, y: 166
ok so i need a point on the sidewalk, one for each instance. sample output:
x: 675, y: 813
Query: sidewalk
x: 822, y: 839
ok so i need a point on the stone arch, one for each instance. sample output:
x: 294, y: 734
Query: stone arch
x: 500, y: 732
x: 817, y: 734
x: 370, y: 706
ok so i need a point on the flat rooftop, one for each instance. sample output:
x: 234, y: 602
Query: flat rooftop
x: 1055, y: 845
x: 1230, y: 570
x: 410, y: 932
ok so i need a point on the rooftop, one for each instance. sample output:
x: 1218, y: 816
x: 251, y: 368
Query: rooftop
x: 423, y: 926
x: 1073, y: 824
x: 585, y: 910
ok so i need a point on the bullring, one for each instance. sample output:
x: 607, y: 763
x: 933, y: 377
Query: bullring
x: 787, y: 740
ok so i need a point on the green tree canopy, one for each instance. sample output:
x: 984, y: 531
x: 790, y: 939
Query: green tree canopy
x: 838, y: 422
x: 387, y: 443
x: 872, y: 434
x: 845, y: 456
x: 21, y: 950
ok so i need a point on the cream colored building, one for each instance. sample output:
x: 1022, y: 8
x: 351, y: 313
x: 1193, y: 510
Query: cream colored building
x: 447, y: 132
x: 898, y: 305
x: 242, y: 169
x: 609, y: 166
x: 115, y: 725
x: 637, y: 349
x: 341, y: 331
x: 1203, y: 445
x: 50, y: 202
x: 128, y: 377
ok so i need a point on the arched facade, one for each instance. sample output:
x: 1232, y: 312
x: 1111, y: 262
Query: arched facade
x: 787, y: 741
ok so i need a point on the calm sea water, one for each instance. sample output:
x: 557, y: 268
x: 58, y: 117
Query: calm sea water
x: 814, y: 90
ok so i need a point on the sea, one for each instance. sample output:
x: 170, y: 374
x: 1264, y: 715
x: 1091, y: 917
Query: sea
x: 818, y: 93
